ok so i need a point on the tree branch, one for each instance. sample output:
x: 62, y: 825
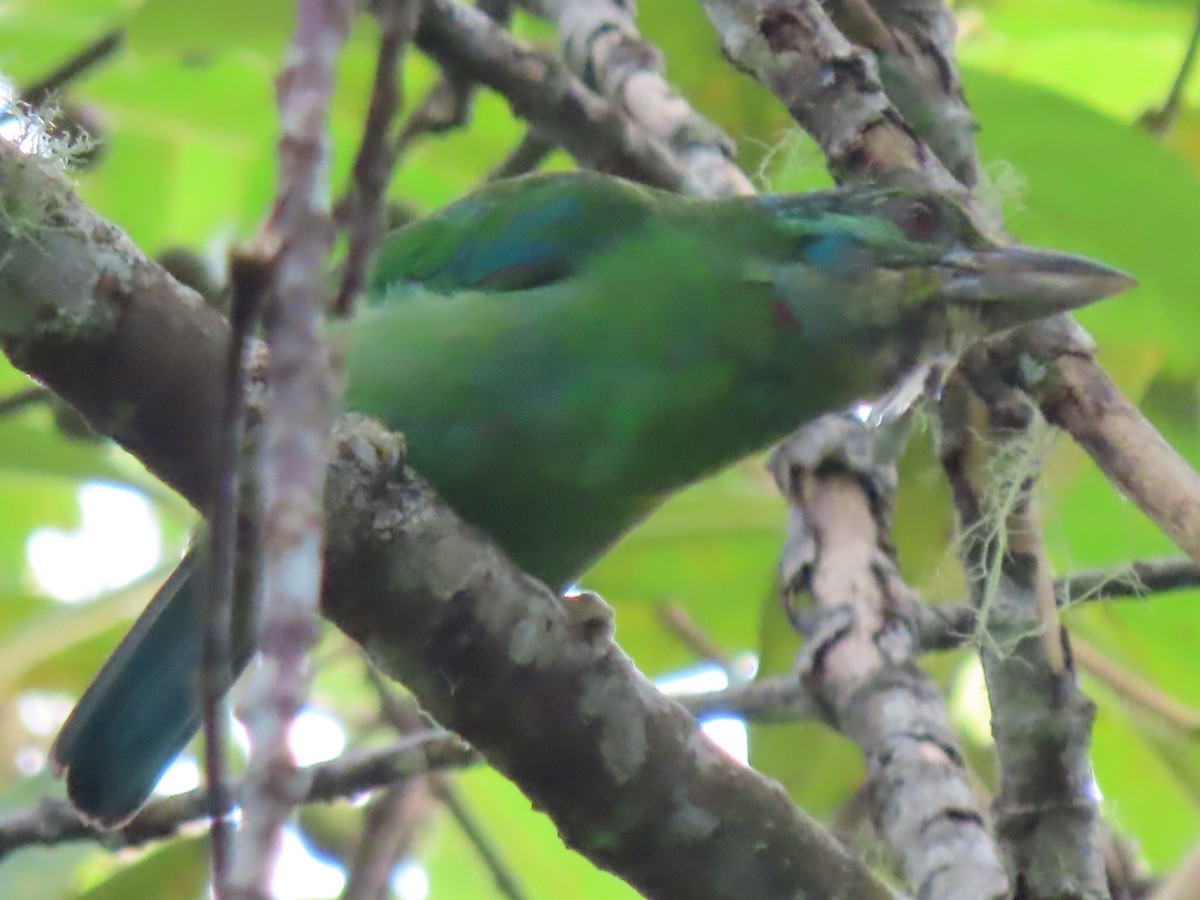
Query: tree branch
x: 1047, y: 812
x: 362, y: 209
x: 602, y: 45
x: 829, y: 86
x: 293, y: 452
x: 951, y: 625
x: 57, y: 822
x: 862, y: 671
x: 541, y: 90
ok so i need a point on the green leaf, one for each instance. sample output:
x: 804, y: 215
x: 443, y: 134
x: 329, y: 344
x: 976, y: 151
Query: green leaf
x: 1118, y: 56
x: 199, y: 29
x: 526, y: 841
x: 176, y: 869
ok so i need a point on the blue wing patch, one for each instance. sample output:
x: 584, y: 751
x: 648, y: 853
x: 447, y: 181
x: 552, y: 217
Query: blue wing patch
x: 514, y: 235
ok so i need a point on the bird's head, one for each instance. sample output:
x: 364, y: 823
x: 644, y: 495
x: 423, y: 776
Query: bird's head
x: 908, y: 270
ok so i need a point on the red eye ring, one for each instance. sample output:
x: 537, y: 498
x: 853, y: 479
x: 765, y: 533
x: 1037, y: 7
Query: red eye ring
x: 921, y: 219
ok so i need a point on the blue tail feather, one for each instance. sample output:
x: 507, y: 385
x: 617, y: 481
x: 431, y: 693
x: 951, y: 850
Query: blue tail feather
x: 143, y: 707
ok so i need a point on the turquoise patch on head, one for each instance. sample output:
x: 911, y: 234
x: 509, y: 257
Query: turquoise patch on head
x: 830, y: 252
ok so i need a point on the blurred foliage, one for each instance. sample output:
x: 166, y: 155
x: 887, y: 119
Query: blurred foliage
x: 185, y: 115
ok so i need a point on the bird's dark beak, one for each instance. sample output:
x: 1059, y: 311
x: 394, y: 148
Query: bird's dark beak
x: 1012, y: 285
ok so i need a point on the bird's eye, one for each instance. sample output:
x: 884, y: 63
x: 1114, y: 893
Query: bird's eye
x: 921, y: 220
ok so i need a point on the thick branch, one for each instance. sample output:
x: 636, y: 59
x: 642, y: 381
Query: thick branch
x: 91, y: 317
x: 829, y: 86
x: 602, y: 45
x: 861, y: 660
x: 914, y: 44
x: 495, y: 656
x: 541, y: 90
x: 1047, y: 814
x: 1055, y: 366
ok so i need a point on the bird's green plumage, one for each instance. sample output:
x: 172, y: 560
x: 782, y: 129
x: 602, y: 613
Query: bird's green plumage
x: 562, y: 352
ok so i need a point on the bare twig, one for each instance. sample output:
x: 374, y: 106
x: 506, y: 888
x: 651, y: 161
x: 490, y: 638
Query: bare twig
x: 1159, y: 121
x: 1135, y: 690
x: 472, y: 828
x: 362, y: 210
x: 86, y: 59
x: 1075, y: 394
x: 952, y: 624
x: 24, y: 398
x: 250, y: 276
x: 294, y: 439
x: 449, y: 102
x: 392, y: 823
x: 1137, y: 579
x: 674, y: 617
x: 445, y: 107
x: 405, y: 718
x: 525, y: 157
x: 778, y: 698
x: 56, y: 821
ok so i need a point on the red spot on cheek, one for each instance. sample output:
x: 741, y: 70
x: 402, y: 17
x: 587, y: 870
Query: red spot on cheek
x: 782, y: 316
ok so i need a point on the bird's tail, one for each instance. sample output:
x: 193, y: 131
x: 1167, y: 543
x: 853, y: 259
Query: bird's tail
x: 143, y: 707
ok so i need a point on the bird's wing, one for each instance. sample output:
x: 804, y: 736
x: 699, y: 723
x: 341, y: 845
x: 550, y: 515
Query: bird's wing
x: 514, y: 235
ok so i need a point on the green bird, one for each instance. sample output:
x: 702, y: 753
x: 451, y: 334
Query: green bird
x: 563, y: 352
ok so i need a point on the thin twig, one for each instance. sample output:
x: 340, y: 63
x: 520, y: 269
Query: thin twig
x: 525, y: 157
x: 86, y: 59
x: 250, y: 277
x: 1076, y: 395
x: 777, y: 698
x: 1137, y: 579
x: 30, y: 396
x: 1136, y: 690
x: 951, y: 625
x: 404, y: 717
x: 506, y: 881
x: 392, y: 822
x: 674, y: 617
x: 54, y: 822
x: 295, y: 450
x: 1159, y: 121
x: 449, y: 102
x: 362, y: 210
